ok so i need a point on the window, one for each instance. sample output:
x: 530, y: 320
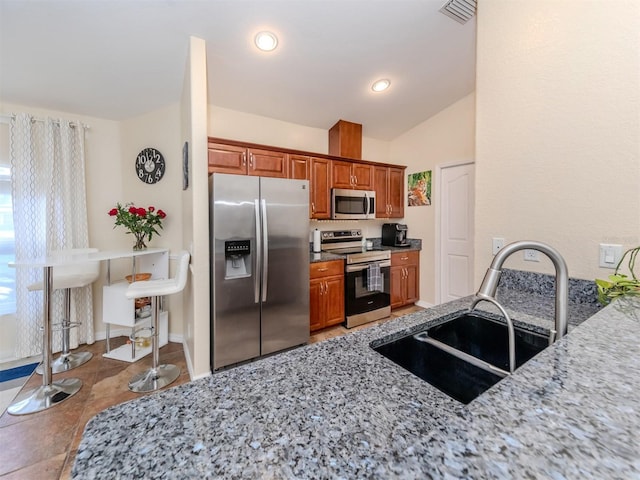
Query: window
x: 7, y: 245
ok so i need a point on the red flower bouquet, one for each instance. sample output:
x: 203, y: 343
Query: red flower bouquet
x: 141, y: 222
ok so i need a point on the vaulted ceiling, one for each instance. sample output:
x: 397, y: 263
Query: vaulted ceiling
x: 116, y: 59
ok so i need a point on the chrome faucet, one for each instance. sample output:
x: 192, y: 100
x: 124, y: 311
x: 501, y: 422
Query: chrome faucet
x: 489, y: 287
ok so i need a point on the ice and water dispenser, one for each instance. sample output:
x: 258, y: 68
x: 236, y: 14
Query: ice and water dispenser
x: 237, y: 254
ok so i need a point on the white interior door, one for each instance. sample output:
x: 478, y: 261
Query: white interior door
x: 456, y: 231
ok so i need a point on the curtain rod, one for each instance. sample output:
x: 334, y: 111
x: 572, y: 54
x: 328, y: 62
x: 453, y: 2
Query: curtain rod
x: 6, y: 117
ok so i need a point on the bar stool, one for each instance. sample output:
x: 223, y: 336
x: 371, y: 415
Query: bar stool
x: 158, y: 376
x: 66, y: 277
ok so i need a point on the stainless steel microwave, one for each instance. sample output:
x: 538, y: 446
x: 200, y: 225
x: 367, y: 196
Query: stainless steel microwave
x: 353, y: 204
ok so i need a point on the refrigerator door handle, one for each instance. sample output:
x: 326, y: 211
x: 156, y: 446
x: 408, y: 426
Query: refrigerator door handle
x: 265, y: 259
x: 256, y: 278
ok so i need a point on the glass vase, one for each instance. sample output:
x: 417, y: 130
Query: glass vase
x: 140, y: 238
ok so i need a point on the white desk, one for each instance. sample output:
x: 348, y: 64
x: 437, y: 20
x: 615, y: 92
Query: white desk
x: 119, y: 310
x: 51, y: 393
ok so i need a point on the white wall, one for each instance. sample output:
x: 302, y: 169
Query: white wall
x: 246, y: 127
x: 445, y: 138
x: 558, y: 128
x: 195, y: 211
x: 159, y: 129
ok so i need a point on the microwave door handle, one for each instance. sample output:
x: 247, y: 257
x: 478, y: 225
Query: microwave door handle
x: 366, y: 205
x: 256, y: 272
x: 265, y: 242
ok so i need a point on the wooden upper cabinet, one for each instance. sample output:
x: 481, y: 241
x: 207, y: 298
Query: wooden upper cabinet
x: 323, y: 173
x: 299, y: 167
x: 320, y: 188
x: 246, y: 161
x: 351, y: 175
x: 396, y: 192
x: 389, y: 187
x: 316, y: 170
x: 381, y: 186
x: 227, y: 159
x: 267, y: 163
x: 341, y: 176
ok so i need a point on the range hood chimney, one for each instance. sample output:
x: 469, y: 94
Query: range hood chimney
x: 345, y: 140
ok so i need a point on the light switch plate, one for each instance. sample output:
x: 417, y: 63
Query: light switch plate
x: 610, y: 255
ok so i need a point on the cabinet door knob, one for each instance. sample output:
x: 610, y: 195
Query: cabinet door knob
x: 313, y: 207
x: 251, y: 160
x: 244, y: 159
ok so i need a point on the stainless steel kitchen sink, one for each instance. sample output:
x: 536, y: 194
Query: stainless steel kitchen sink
x: 464, y: 356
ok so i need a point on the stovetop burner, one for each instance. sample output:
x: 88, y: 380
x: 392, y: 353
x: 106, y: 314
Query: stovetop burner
x: 349, y: 243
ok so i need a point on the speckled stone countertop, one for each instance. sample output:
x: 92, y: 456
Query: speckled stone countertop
x: 338, y: 409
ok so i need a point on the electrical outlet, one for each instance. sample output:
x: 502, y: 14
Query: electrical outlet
x: 531, y: 255
x: 497, y: 244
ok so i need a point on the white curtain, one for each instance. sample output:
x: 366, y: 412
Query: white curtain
x: 49, y: 214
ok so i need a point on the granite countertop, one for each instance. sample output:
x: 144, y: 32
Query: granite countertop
x: 414, y: 244
x: 338, y: 409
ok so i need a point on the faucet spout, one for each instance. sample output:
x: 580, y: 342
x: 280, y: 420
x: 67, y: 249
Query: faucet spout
x: 491, y: 279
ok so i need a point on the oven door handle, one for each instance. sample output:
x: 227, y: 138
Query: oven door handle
x: 364, y: 266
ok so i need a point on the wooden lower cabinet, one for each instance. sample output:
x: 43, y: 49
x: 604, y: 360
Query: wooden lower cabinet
x: 405, y: 278
x: 326, y: 294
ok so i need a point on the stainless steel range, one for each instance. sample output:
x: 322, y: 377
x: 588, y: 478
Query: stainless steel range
x: 367, y: 276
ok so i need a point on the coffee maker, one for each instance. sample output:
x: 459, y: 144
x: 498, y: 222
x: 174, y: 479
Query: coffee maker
x: 394, y: 235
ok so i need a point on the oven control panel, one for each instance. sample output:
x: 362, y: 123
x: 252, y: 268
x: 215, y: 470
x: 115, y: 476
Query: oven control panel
x: 341, y: 235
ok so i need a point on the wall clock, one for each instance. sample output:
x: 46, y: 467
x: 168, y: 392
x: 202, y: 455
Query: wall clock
x: 150, y: 165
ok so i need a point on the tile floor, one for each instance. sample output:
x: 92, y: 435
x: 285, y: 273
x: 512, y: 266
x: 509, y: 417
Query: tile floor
x: 43, y: 445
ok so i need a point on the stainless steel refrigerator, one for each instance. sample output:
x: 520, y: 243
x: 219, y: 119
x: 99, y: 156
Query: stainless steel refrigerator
x: 259, y: 231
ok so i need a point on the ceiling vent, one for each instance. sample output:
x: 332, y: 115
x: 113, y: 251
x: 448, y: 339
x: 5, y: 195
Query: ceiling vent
x: 460, y: 10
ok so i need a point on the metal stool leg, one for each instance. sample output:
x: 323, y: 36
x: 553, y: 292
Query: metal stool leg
x: 49, y: 393
x: 157, y: 376
x: 67, y: 360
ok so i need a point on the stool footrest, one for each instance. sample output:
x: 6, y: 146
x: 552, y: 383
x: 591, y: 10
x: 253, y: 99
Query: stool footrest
x: 66, y: 362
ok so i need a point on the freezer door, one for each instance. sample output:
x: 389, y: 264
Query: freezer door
x: 285, y: 286
x: 235, y: 307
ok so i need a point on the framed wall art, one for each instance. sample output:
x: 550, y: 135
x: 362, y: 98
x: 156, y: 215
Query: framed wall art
x: 419, y: 185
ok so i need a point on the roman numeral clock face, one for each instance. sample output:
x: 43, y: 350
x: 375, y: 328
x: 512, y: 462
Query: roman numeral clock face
x: 150, y: 165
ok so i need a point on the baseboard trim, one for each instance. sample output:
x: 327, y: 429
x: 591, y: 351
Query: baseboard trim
x: 187, y: 356
x: 422, y: 304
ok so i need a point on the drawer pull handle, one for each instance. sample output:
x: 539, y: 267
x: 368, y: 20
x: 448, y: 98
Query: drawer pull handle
x: 323, y: 269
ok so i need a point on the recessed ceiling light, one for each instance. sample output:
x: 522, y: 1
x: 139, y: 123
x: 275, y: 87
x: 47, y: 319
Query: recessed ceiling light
x: 380, y: 85
x: 266, y: 41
